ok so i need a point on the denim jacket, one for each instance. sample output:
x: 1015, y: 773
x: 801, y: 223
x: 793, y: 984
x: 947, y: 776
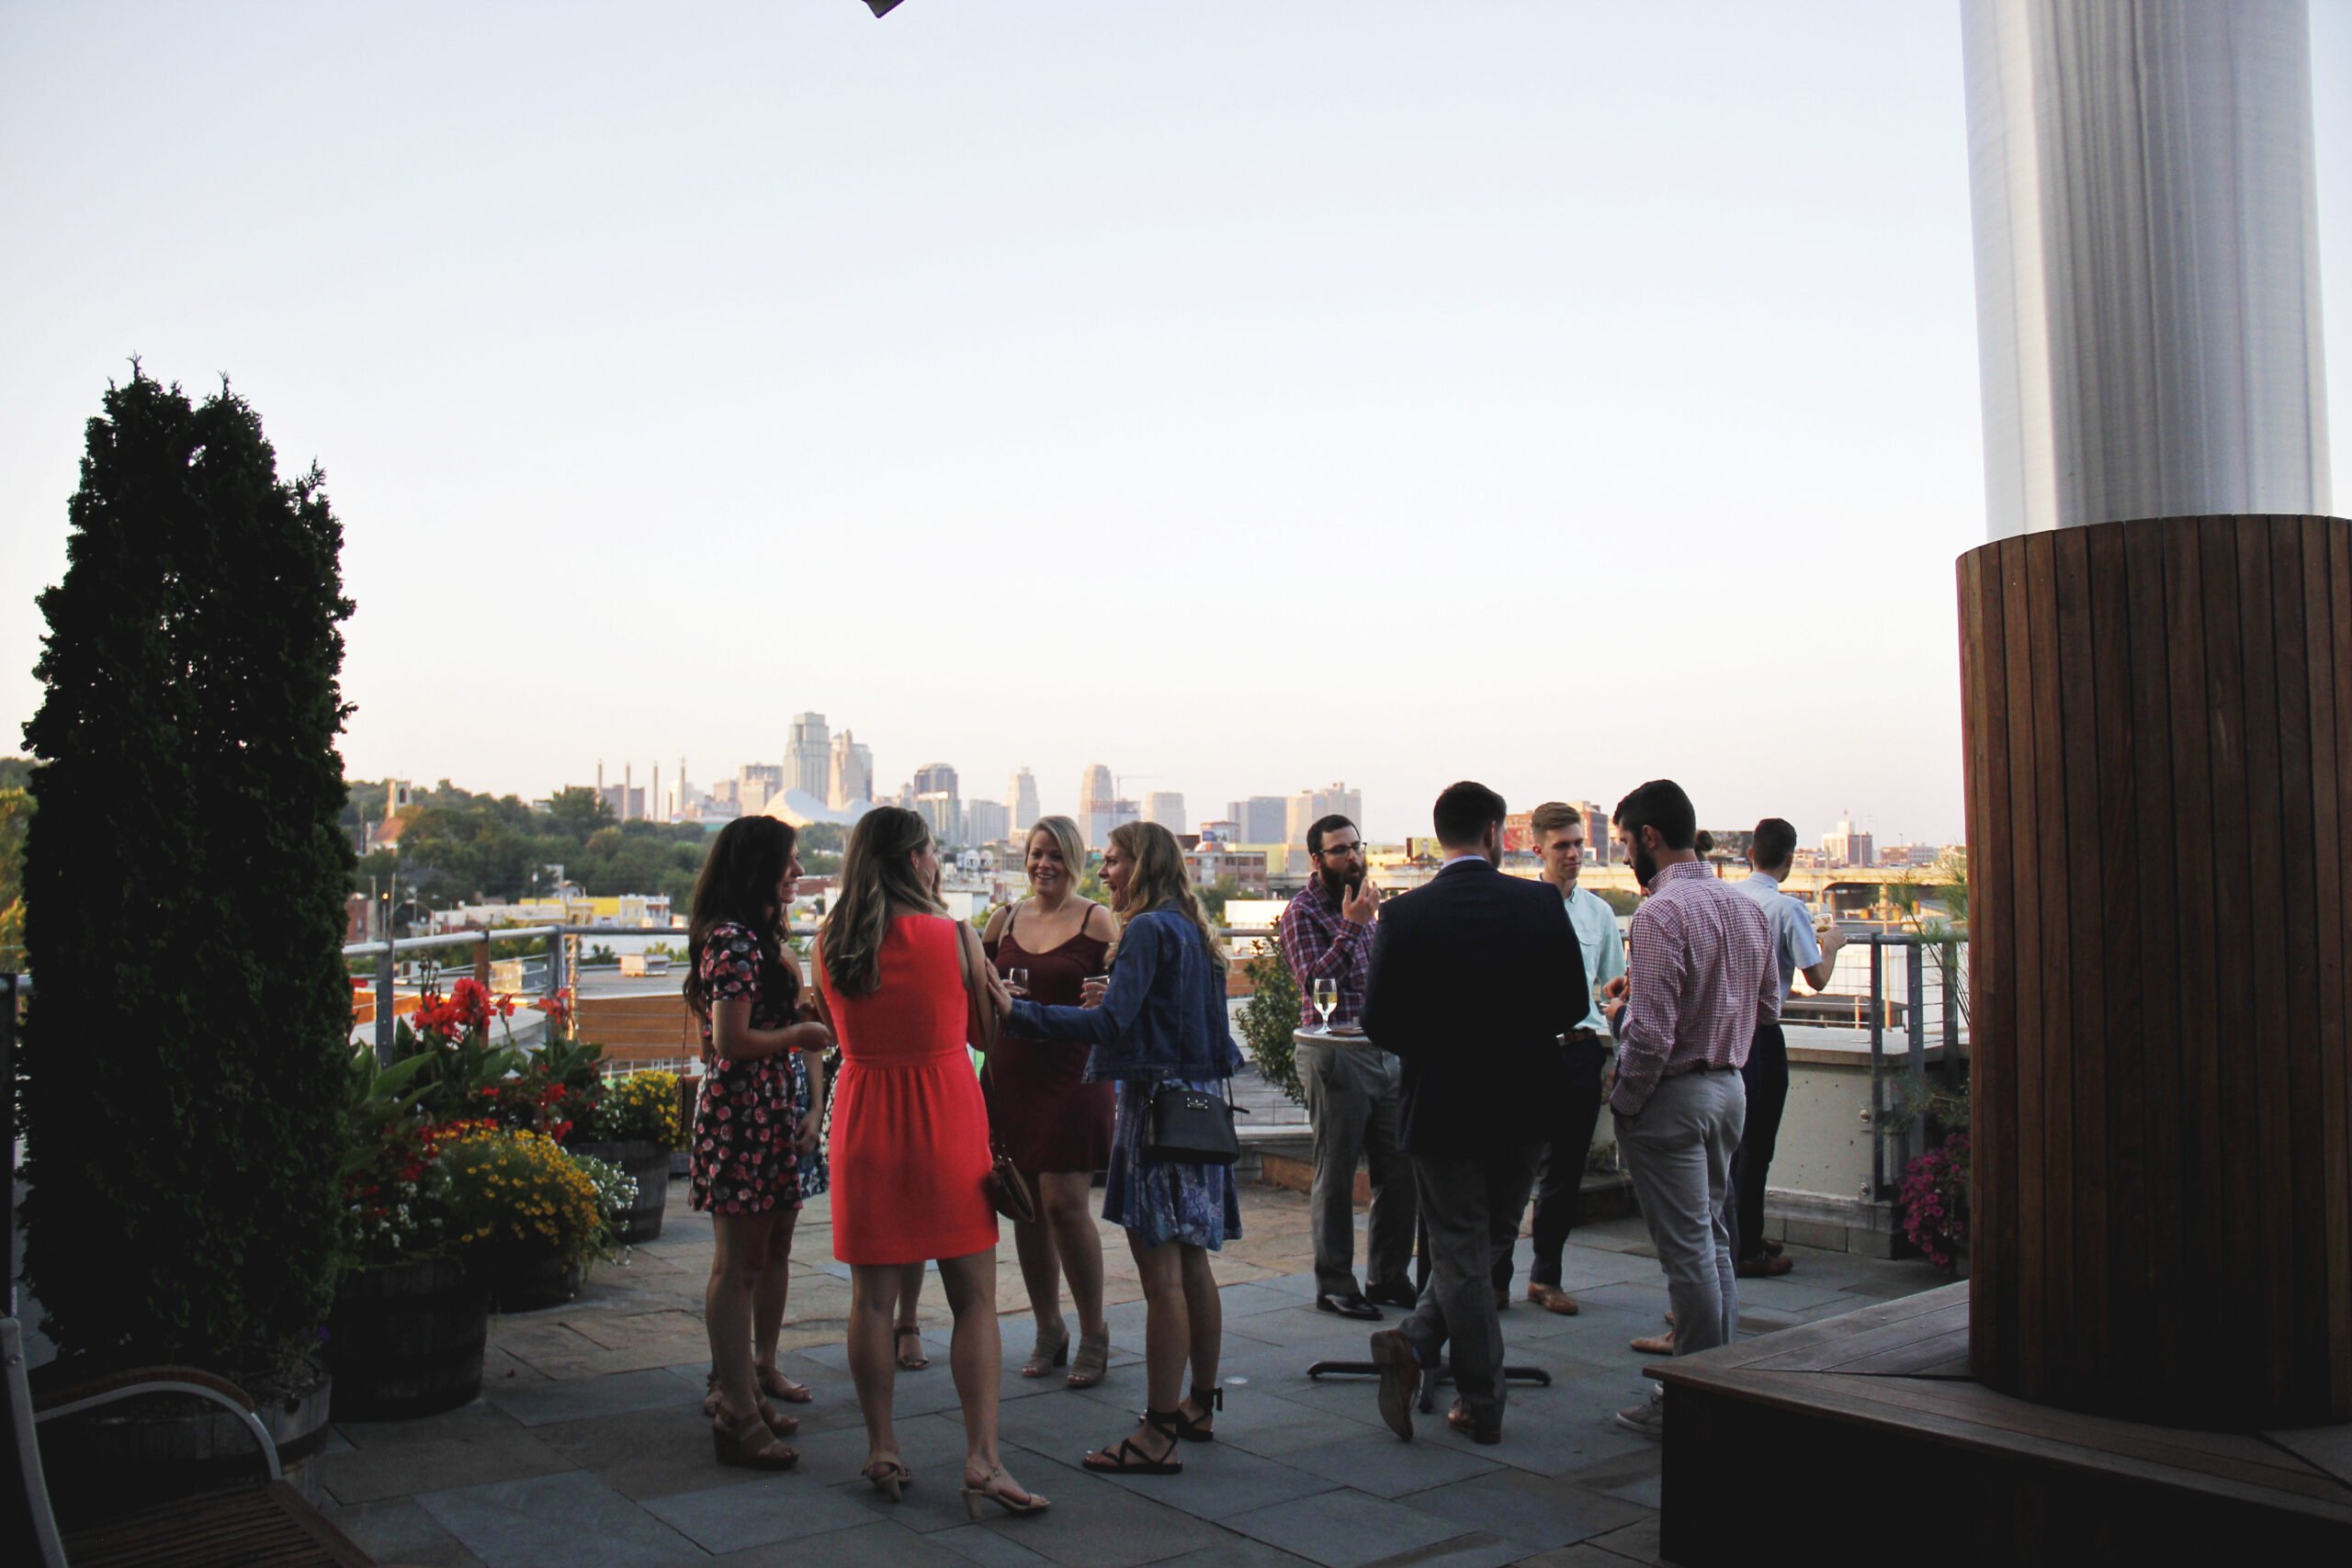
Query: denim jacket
x: 1161, y: 1016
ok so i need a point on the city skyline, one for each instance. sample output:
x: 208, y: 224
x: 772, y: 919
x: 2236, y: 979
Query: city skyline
x: 1416, y: 286
x: 1291, y: 808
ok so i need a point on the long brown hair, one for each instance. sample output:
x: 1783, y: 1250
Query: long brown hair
x: 1160, y: 881
x: 877, y: 875
x: 738, y: 885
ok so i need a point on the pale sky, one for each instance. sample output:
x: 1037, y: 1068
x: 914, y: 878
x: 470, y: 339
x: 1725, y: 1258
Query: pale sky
x: 1244, y: 395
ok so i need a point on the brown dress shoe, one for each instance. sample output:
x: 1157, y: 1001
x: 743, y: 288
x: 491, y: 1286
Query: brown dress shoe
x: 1470, y: 1427
x: 1771, y: 1247
x: 1551, y: 1298
x: 1656, y: 1344
x: 1400, y: 1379
x: 1762, y: 1268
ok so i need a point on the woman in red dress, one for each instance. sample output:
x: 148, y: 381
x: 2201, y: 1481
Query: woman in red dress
x: 1051, y: 1123
x: 755, y: 1120
x: 905, y: 987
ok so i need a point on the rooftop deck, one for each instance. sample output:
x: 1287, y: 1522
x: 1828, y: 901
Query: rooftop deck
x: 588, y: 1447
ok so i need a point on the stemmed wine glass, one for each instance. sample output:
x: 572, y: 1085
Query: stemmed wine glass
x: 1017, y: 981
x: 1326, y: 997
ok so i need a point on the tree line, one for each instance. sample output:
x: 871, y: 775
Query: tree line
x: 458, y: 847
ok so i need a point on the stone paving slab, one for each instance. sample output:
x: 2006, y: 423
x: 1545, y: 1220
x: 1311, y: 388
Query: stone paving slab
x: 556, y: 1521
x: 1345, y: 1529
x: 589, y: 1447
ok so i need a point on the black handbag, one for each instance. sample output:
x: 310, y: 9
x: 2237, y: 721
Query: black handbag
x: 1191, y: 1126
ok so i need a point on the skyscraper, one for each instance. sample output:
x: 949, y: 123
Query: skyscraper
x: 1021, y: 799
x: 852, y: 773
x: 1309, y: 806
x: 1165, y: 807
x: 1261, y: 818
x: 939, y: 801
x: 1094, y: 796
x: 944, y: 813
x: 754, y: 783
x: 807, y: 757
x: 985, y: 821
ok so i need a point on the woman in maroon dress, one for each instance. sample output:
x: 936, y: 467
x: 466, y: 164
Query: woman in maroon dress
x: 1054, y: 1126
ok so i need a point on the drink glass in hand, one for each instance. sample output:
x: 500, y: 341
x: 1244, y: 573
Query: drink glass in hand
x: 1017, y: 981
x: 1326, y: 997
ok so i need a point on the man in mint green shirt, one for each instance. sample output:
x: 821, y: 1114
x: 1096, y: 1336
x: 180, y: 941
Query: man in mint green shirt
x: 1559, y: 840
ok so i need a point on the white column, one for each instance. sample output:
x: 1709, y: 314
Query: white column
x: 2147, y: 259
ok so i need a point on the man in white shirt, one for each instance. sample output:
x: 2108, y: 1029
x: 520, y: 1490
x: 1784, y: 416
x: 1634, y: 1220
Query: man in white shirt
x: 1559, y: 840
x: 1796, y: 951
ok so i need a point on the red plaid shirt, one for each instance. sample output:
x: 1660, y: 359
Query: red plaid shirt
x: 1320, y: 944
x: 1703, y: 976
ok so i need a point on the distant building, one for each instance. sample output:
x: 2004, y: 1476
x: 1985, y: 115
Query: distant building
x: 1225, y: 832
x: 1094, y: 797
x: 1021, y: 799
x: 850, y: 776
x: 809, y: 757
x: 755, y: 782
x: 626, y: 802
x: 1845, y: 847
x: 935, y: 778
x: 943, y: 813
x: 1263, y: 819
x: 986, y: 822
x: 1306, y: 807
x: 1165, y: 807
x: 1212, y: 862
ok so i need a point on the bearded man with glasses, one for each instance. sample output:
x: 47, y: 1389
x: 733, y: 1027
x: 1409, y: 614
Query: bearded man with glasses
x: 1351, y: 1085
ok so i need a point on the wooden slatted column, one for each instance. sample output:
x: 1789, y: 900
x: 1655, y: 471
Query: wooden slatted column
x: 2158, y: 722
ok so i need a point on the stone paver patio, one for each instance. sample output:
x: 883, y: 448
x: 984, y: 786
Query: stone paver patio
x: 588, y: 1446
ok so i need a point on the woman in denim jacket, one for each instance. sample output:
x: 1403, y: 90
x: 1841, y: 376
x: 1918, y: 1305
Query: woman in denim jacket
x: 1160, y: 1018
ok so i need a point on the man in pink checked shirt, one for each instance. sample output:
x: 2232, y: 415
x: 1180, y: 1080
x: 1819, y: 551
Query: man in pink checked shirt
x: 1703, y: 976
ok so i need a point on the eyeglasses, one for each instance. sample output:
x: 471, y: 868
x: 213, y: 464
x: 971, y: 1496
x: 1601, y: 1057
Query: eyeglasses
x: 1335, y: 851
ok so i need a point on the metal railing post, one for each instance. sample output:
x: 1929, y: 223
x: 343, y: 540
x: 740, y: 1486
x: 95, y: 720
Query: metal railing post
x: 384, y: 1000
x: 9, y: 1060
x: 8, y: 1087
x: 1877, y: 1066
x: 555, y: 963
x: 1915, y: 1135
x: 481, y: 963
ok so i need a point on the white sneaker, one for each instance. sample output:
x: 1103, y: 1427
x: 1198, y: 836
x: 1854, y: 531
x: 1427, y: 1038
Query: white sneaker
x: 1649, y: 1417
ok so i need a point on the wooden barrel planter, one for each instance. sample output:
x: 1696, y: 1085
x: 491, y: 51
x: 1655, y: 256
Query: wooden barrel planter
x: 527, y: 1287
x: 169, y: 1445
x: 407, y: 1340
x: 651, y: 1166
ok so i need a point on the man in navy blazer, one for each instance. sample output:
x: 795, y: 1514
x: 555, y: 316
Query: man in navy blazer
x: 1475, y: 979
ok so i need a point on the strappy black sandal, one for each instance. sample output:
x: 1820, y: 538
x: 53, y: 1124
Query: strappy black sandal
x: 1196, y: 1429
x: 1124, y: 1458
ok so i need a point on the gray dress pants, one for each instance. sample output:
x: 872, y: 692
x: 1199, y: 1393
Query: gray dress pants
x: 1460, y: 1202
x: 1679, y: 1154
x: 1351, y: 1095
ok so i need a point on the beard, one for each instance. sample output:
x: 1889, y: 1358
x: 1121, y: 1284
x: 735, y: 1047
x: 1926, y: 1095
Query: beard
x: 1645, y: 865
x: 1339, y: 885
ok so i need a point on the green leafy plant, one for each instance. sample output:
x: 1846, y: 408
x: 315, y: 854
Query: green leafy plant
x: 1270, y: 1018
x: 184, y: 1060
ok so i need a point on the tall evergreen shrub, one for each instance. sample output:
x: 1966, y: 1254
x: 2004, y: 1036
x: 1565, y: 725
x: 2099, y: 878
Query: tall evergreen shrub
x: 185, y: 880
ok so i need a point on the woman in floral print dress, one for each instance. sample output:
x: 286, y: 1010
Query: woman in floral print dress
x: 755, y: 1123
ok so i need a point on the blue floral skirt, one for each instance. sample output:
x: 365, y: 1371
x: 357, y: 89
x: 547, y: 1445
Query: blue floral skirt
x: 1164, y: 1200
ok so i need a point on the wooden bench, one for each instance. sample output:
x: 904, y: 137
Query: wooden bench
x: 1879, y: 1406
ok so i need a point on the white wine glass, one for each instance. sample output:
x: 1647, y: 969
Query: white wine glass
x: 1326, y: 997
x: 1017, y: 981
